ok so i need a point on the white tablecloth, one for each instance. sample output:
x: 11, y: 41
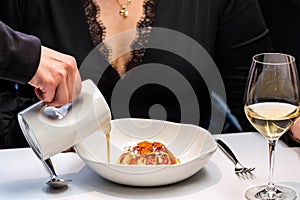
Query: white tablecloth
x: 22, y: 175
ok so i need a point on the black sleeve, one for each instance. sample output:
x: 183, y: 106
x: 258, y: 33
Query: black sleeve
x: 19, y: 55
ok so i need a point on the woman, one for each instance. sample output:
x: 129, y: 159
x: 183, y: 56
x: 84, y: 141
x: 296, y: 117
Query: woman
x: 231, y: 31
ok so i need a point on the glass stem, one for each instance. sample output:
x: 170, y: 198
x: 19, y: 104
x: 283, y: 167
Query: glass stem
x: 271, y: 184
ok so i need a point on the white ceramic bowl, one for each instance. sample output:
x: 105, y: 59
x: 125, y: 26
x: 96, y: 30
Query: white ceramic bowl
x: 192, y: 145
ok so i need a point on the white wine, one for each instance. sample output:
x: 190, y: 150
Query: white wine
x: 273, y: 90
x: 272, y: 119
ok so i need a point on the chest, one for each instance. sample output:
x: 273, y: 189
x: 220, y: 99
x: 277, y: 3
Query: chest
x: 117, y: 22
x: 118, y: 16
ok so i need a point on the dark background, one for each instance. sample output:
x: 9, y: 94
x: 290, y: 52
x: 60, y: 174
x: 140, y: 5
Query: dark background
x: 283, y: 20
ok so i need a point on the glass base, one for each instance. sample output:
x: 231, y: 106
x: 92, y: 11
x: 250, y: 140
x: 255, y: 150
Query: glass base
x: 261, y: 193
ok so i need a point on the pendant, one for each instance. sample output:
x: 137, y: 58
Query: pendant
x: 124, y: 12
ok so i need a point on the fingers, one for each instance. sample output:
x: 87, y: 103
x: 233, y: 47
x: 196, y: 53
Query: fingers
x: 62, y: 95
x: 73, y: 80
x: 57, y: 80
x: 66, y: 89
x: 69, y: 86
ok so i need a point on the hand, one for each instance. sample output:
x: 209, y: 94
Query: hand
x: 57, y: 80
x: 296, y: 130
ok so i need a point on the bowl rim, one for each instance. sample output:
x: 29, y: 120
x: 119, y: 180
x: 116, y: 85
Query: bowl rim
x: 198, y: 156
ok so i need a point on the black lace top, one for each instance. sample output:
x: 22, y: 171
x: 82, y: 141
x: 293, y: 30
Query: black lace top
x: 98, y: 31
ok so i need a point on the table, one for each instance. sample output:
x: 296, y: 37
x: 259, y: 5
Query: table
x: 23, y: 175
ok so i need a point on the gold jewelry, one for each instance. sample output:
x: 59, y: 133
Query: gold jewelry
x: 124, y: 12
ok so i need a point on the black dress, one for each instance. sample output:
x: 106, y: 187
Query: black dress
x: 162, y: 80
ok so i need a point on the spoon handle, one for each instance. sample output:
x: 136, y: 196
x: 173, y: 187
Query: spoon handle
x: 49, y: 166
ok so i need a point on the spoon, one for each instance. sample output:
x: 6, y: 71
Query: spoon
x: 55, y: 181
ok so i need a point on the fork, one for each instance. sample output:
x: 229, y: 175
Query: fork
x: 239, y: 168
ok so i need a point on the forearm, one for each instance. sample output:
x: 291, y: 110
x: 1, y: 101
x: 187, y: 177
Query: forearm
x: 19, y: 55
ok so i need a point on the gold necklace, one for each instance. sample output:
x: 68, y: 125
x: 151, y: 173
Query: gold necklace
x: 124, y: 12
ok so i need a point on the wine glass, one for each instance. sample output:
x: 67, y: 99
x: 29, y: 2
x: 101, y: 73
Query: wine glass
x: 272, y: 105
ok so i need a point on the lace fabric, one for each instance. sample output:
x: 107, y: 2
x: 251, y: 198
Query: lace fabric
x: 98, y: 31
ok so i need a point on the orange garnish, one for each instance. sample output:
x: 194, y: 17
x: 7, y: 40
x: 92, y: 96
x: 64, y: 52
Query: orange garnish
x: 144, y: 147
x: 158, y: 145
x: 148, y: 153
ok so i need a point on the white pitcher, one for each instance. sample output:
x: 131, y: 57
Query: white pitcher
x: 50, y: 130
